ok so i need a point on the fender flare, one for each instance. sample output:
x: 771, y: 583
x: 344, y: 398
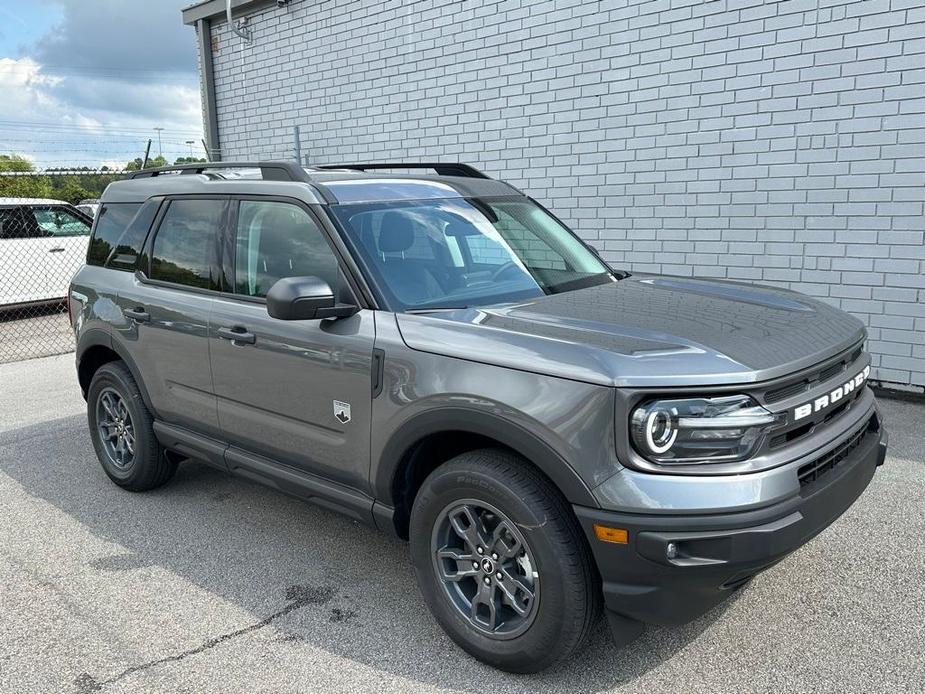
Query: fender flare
x: 506, y: 432
x: 101, y: 338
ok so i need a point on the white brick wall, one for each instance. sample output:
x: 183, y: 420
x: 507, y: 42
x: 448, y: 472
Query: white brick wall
x: 781, y: 142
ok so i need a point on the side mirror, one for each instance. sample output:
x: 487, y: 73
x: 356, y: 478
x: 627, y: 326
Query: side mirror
x: 305, y: 298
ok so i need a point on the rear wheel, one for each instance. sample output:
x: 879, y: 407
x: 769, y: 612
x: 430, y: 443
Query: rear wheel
x: 502, y: 562
x: 122, y: 430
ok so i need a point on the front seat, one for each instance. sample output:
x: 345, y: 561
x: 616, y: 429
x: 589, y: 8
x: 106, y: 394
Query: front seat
x: 411, y: 282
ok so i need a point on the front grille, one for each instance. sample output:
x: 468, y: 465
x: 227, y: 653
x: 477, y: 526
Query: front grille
x: 810, y: 472
x: 813, y: 378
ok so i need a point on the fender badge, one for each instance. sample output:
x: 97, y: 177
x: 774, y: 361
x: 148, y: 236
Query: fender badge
x: 342, y: 411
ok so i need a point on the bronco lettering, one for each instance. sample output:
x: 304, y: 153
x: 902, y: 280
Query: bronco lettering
x: 824, y: 401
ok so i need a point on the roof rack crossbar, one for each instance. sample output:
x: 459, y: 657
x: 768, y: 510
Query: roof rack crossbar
x: 442, y: 168
x: 270, y: 170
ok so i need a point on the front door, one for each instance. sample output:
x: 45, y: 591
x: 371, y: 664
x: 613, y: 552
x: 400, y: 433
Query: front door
x: 296, y: 392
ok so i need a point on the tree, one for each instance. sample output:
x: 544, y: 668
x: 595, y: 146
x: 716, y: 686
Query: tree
x: 135, y: 164
x: 22, y: 186
x: 73, y: 191
x: 188, y: 160
x: 14, y: 162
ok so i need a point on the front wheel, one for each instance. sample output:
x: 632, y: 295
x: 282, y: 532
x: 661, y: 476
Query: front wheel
x: 502, y: 562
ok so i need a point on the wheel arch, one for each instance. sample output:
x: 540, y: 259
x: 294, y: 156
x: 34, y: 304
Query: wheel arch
x: 429, y: 439
x: 96, y: 348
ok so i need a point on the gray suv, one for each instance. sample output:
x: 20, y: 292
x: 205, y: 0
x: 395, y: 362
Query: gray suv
x: 435, y: 354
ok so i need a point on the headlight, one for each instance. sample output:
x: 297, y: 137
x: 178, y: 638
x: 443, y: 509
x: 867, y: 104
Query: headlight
x: 700, y: 430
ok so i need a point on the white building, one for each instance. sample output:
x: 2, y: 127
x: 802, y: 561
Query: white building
x: 774, y: 141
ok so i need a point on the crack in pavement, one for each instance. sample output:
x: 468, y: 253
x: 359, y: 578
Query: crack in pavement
x: 298, y: 597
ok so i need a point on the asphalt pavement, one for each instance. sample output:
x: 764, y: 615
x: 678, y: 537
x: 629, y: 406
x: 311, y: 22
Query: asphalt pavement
x: 35, y: 331
x: 214, y: 584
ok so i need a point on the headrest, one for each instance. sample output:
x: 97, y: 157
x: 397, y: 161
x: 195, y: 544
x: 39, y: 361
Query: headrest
x: 396, y: 233
x: 277, y: 220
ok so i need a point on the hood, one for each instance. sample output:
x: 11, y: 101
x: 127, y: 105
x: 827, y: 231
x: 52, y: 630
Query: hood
x: 646, y: 330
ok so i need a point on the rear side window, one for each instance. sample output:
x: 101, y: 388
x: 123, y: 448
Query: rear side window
x: 111, y: 222
x: 184, y: 247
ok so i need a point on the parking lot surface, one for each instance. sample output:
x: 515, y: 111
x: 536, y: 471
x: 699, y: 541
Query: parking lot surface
x: 214, y: 584
x: 44, y: 331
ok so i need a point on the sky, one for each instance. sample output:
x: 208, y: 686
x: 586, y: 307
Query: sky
x: 86, y: 82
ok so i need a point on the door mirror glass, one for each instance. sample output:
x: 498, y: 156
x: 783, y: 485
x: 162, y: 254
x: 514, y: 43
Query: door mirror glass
x: 300, y: 298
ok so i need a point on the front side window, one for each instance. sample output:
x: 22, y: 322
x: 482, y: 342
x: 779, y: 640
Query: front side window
x: 459, y: 252
x: 55, y: 221
x: 276, y: 240
x: 184, y: 247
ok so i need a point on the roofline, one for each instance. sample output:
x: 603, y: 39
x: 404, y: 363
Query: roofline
x: 211, y: 9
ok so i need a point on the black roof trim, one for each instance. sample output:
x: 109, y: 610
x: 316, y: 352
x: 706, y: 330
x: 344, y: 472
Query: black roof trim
x: 270, y: 170
x: 441, y: 168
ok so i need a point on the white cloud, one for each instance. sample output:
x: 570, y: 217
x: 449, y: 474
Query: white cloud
x: 95, y: 86
x: 67, y: 121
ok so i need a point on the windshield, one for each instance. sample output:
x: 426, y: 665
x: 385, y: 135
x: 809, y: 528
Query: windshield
x: 455, y: 253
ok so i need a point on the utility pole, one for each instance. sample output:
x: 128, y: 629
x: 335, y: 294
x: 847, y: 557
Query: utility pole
x: 144, y: 161
x: 191, y: 143
x: 160, y: 150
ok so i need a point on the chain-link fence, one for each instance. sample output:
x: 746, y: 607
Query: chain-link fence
x: 42, y: 244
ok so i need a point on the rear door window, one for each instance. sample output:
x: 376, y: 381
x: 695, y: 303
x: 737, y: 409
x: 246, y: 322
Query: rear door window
x: 16, y: 223
x: 184, y: 249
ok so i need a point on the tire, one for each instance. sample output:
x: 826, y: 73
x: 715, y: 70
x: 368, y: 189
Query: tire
x: 566, y: 593
x: 115, y: 407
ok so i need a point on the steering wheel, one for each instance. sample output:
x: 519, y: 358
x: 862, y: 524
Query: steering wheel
x: 506, y: 268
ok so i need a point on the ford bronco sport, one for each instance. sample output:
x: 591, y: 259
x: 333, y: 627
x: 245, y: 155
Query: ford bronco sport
x: 437, y: 355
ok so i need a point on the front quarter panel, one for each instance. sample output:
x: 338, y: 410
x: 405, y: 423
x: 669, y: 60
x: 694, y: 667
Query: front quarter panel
x: 565, y: 427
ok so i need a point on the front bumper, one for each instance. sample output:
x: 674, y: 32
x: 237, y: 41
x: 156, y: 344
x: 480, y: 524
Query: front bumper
x: 715, y: 554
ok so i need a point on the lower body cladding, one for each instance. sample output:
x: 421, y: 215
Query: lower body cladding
x: 669, y: 569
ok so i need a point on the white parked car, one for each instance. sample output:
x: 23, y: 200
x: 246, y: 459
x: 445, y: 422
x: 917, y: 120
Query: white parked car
x: 42, y: 245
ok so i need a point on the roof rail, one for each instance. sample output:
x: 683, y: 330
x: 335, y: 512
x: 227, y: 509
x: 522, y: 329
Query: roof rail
x: 270, y: 170
x: 442, y: 168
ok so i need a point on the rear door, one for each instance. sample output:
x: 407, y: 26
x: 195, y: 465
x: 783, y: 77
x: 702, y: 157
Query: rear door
x: 295, y: 392
x: 166, y: 310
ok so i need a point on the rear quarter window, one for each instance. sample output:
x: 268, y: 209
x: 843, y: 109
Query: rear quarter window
x: 111, y: 223
x: 123, y: 253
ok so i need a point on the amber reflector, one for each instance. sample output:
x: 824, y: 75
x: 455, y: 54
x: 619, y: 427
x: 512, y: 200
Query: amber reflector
x: 605, y: 534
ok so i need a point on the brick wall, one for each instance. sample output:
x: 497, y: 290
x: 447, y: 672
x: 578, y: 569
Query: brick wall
x: 779, y: 142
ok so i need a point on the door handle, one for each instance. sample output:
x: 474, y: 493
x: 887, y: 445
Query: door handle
x: 237, y: 334
x: 137, y: 313
x: 56, y: 250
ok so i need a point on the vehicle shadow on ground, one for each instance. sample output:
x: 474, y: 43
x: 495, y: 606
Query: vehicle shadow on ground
x: 315, y: 576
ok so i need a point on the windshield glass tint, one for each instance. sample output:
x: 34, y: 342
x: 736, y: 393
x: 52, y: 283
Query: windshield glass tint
x: 461, y: 252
